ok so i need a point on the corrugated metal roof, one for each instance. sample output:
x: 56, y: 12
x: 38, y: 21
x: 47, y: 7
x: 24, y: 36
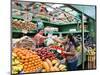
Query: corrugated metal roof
x: 89, y: 10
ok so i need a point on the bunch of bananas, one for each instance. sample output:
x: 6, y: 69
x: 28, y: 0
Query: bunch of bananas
x: 91, y: 51
x: 60, y: 66
x: 16, y: 65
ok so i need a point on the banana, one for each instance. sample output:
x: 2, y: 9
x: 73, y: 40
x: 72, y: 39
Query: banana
x: 16, y: 61
x: 13, y: 54
x: 16, y: 65
x: 62, y: 67
x: 14, y: 72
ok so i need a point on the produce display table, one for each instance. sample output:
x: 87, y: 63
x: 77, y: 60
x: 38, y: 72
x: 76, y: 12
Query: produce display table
x: 79, y: 55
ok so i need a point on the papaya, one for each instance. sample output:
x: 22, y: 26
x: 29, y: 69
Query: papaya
x: 49, y: 62
x: 46, y: 66
x: 57, y: 64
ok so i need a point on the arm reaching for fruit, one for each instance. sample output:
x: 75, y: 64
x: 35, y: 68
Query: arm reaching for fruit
x: 59, y: 41
x: 41, y: 36
x: 71, y: 53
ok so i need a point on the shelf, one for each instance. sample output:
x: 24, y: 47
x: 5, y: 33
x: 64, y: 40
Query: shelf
x: 60, y: 24
x: 14, y: 30
x: 68, y: 32
x: 17, y: 17
x: 48, y: 24
x: 71, y: 23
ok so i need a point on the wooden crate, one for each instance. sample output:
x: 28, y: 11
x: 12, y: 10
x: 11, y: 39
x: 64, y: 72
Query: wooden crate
x: 91, y: 58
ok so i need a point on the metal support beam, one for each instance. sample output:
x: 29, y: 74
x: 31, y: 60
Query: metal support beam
x: 82, y: 42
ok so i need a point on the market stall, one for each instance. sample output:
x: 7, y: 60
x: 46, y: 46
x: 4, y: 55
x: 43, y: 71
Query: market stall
x: 40, y: 32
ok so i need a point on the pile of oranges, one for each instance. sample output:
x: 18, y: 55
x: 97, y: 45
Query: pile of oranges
x: 30, y: 60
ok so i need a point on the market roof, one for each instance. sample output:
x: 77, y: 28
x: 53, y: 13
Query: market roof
x: 89, y: 10
x: 64, y: 13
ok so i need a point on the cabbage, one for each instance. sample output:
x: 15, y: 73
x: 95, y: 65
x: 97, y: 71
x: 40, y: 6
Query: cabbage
x: 49, y: 41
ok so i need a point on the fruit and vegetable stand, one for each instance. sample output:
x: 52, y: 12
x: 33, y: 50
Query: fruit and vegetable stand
x: 28, y: 58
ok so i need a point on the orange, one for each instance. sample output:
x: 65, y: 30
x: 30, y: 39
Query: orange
x: 29, y: 65
x: 17, y: 53
x: 25, y: 67
x: 26, y: 60
x: 30, y: 62
x: 27, y: 57
x: 26, y: 63
x: 33, y: 61
x: 22, y: 61
x: 23, y: 57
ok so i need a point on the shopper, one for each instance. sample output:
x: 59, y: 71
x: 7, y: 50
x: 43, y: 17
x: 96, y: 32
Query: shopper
x: 39, y: 38
x: 70, y: 50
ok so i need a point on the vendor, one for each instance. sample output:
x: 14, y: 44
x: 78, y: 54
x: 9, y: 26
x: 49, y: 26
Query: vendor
x: 39, y: 39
